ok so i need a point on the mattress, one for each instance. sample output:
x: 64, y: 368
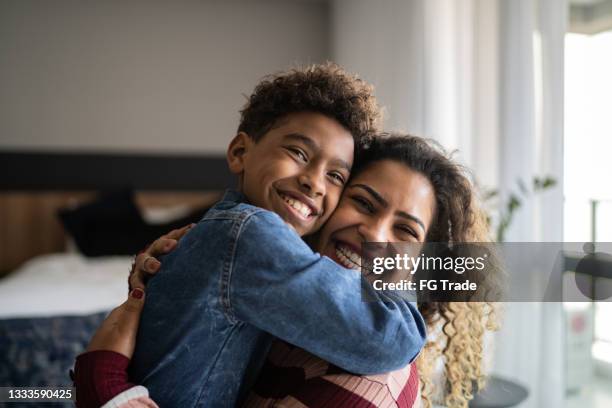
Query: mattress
x: 49, y: 309
x: 64, y: 284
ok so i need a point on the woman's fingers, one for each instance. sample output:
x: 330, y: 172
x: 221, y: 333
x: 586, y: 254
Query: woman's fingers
x: 177, y: 234
x: 144, y: 266
x: 161, y: 246
x: 150, y: 264
x: 168, y: 242
x: 118, y: 331
x: 147, y: 264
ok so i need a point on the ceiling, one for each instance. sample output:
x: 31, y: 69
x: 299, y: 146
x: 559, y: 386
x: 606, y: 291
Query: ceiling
x: 586, y: 2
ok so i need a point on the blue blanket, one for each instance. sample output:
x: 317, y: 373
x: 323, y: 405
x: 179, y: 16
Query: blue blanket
x: 39, y: 352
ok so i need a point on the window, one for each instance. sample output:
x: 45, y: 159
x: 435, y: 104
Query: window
x: 588, y: 162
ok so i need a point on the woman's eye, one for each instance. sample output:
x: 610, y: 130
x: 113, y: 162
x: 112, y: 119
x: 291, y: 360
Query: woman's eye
x: 299, y: 153
x: 365, y: 204
x: 409, y: 231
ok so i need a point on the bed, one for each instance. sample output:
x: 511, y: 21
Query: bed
x: 49, y: 308
x: 65, y: 252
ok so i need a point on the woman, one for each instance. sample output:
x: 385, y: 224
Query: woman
x: 402, y: 189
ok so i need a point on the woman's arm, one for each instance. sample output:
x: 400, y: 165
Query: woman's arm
x: 101, y: 372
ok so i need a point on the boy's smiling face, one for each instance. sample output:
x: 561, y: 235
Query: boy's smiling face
x: 297, y: 169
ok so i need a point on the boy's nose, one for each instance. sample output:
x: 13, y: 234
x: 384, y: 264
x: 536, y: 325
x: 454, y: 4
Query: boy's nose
x: 313, y: 185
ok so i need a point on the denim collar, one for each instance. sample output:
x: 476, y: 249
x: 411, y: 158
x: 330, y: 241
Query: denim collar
x: 234, y: 196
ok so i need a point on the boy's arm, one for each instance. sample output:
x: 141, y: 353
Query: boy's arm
x: 278, y: 284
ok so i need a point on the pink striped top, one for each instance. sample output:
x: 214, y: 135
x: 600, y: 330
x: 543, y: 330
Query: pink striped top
x: 292, y: 377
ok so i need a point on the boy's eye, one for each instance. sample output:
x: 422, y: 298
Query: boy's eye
x: 364, y: 204
x: 299, y: 153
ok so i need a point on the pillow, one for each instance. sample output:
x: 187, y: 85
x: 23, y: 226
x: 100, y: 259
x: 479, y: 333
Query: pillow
x: 113, y: 225
x: 166, y: 214
x: 110, y: 225
x: 155, y: 231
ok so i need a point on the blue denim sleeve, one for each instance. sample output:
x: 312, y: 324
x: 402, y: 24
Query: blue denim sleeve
x: 278, y: 284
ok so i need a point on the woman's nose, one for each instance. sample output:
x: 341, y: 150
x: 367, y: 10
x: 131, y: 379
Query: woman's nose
x: 375, y: 232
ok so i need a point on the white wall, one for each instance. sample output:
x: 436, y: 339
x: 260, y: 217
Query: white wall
x: 143, y: 75
x: 382, y: 41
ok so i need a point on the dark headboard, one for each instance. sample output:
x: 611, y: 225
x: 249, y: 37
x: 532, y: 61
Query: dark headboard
x: 106, y: 171
x: 34, y: 185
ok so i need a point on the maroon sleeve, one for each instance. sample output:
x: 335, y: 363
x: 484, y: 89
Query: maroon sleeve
x: 99, y: 376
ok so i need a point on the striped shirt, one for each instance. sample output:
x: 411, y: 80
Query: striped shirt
x: 292, y: 377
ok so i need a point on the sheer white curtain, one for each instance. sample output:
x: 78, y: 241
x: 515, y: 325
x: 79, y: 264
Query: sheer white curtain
x: 530, y: 345
x: 484, y: 77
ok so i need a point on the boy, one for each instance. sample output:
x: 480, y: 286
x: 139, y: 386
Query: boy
x: 243, y: 275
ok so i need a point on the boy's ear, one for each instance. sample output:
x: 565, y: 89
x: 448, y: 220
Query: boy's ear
x: 238, y: 148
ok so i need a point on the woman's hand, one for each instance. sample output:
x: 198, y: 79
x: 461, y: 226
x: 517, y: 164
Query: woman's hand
x: 118, y: 331
x: 142, y: 402
x: 146, y: 263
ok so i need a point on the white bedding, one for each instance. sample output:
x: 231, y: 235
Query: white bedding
x: 64, y: 284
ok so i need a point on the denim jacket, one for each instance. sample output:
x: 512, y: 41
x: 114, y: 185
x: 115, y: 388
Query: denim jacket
x: 241, y: 276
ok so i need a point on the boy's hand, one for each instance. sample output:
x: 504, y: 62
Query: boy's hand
x: 147, y: 264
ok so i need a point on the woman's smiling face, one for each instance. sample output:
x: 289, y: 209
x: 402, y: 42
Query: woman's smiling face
x: 386, y: 202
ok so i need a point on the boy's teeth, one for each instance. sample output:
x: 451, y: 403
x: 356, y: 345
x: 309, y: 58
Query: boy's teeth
x: 297, y: 205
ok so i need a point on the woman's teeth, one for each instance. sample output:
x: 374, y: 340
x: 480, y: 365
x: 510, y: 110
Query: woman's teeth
x: 348, y: 258
x: 297, y: 205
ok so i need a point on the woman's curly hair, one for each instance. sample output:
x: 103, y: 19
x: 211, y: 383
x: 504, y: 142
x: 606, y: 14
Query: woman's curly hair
x: 456, y: 329
x: 323, y: 88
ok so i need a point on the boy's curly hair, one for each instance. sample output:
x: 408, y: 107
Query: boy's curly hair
x: 324, y: 88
